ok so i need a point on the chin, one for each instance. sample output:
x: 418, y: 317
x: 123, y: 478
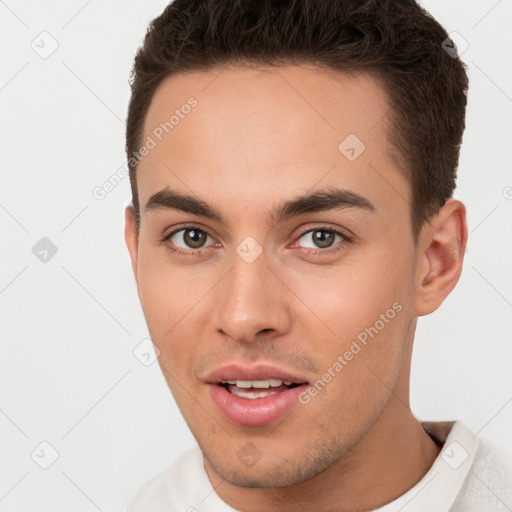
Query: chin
x: 271, y: 474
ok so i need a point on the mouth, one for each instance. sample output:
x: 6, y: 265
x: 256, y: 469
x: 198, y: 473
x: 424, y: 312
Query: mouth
x: 254, y: 396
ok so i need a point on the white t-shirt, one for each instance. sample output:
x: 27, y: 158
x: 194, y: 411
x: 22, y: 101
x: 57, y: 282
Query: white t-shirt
x: 467, y: 476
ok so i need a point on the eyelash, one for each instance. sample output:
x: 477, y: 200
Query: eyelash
x: 198, y: 252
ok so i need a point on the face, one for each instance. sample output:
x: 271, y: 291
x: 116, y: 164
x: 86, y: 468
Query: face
x: 274, y: 265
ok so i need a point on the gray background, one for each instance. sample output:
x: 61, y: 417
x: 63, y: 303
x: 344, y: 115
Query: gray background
x: 70, y: 321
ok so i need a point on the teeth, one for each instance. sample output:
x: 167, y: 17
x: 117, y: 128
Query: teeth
x: 262, y: 384
x: 245, y: 393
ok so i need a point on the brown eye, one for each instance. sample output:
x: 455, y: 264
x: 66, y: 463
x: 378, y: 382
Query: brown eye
x: 190, y: 238
x: 320, y: 238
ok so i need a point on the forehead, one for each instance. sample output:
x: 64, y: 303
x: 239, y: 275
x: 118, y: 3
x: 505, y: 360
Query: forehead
x: 265, y: 101
x: 276, y: 129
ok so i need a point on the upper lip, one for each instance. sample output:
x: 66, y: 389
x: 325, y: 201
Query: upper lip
x: 255, y: 372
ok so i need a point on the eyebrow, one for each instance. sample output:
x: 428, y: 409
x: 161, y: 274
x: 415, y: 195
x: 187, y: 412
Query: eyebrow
x: 318, y: 201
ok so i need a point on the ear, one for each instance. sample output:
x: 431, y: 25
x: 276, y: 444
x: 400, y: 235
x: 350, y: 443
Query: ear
x: 130, y: 236
x: 442, y: 244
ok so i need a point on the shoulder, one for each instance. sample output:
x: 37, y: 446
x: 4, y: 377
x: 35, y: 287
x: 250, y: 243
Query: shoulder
x: 488, y: 485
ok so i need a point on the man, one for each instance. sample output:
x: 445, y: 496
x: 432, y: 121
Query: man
x: 292, y: 166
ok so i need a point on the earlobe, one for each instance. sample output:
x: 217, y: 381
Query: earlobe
x: 444, y: 242
x: 130, y: 236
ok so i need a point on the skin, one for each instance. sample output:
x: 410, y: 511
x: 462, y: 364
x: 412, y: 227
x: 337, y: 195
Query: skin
x: 256, y: 138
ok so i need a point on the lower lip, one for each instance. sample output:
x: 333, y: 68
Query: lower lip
x: 257, y: 411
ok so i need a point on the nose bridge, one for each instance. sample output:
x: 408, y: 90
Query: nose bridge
x: 249, y: 299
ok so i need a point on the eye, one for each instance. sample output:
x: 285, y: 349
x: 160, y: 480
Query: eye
x: 189, y: 238
x: 194, y: 241
x: 322, y: 239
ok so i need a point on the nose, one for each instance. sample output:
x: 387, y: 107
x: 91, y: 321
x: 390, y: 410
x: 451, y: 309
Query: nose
x: 251, y: 302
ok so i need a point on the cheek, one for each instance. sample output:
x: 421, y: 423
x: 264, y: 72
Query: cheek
x: 345, y: 300
x: 162, y: 299
x: 171, y: 298
x: 165, y: 291
x: 358, y: 370
x: 358, y: 317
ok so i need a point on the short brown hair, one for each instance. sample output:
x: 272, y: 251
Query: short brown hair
x: 395, y: 40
